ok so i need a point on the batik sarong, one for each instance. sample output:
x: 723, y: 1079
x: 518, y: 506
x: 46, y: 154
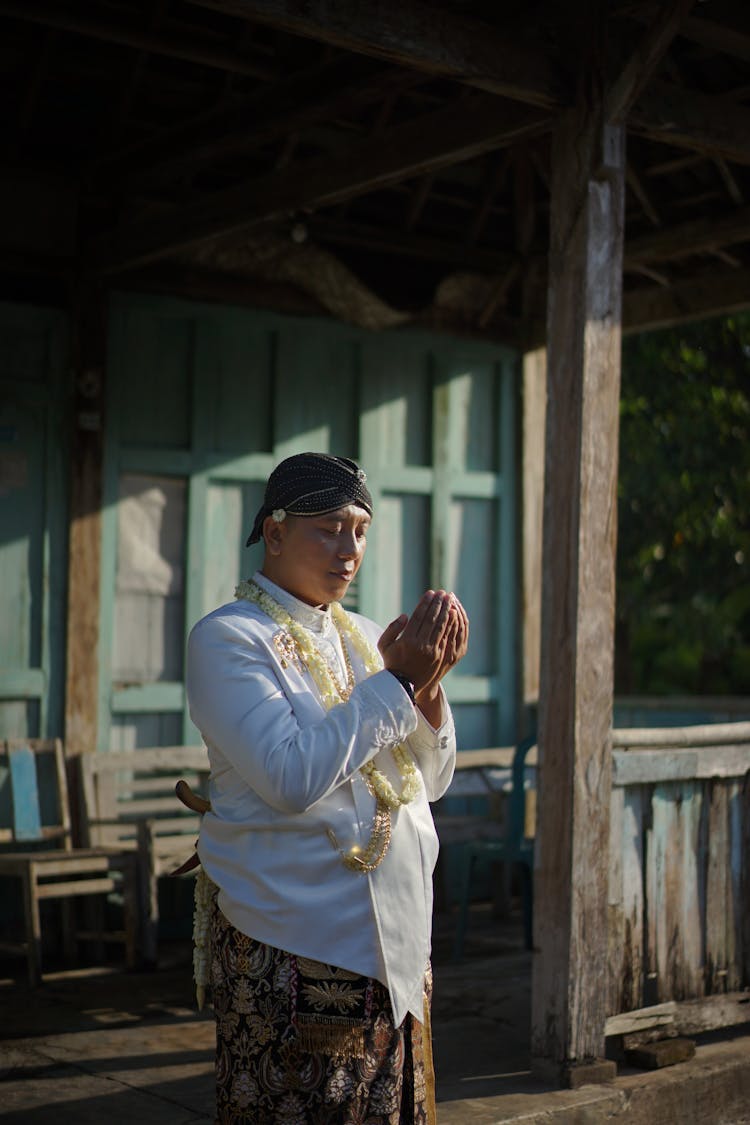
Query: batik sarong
x: 303, y: 1043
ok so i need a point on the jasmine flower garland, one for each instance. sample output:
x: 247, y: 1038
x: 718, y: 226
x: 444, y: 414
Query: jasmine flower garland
x: 332, y: 694
x: 203, y: 895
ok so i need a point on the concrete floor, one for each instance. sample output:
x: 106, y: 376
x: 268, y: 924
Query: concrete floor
x: 100, y: 1045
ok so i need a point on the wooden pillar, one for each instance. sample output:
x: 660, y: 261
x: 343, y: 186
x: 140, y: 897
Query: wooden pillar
x: 569, y: 987
x: 88, y: 322
x: 534, y: 409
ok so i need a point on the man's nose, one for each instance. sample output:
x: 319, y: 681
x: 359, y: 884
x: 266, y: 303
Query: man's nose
x: 349, y: 546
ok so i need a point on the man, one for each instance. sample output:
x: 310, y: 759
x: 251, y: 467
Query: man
x: 327, y: 740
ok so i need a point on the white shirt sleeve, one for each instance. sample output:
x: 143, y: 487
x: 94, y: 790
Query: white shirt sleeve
x: 237, y: 702
x: 435, y: 750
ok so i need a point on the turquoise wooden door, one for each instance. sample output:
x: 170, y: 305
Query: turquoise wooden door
x: 204, y: 402
x: 33, y: 542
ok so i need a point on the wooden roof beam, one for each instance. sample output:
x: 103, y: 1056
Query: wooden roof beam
x: 712, y: 126
x: 418, y: 35
x: 318, y: 94
x: 173, y: 44
x: 636, y: 186
x: 706, y: 32
x: 730, y: 182
x: 696, y: 237
x: 642, y: 64
x: 412, y: 244
x: 421, y: 145
x: 711, y: 294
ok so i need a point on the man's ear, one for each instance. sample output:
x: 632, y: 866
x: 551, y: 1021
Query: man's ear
x: 273, y: 535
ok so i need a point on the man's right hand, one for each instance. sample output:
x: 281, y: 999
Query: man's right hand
x: 414, y: 646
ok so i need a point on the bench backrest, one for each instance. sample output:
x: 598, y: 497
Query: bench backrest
x: 121, y: 788
x: 34, y: 806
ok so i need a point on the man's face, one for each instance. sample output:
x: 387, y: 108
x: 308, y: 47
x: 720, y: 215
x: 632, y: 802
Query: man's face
x: 316, y: 557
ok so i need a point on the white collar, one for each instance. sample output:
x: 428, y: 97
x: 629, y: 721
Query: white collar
x: 310, y: 616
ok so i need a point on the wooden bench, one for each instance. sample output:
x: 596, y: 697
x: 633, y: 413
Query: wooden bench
x: 36, y: 847
x: 503, y: 832
x: 506, y: 835
x: 128, y: 801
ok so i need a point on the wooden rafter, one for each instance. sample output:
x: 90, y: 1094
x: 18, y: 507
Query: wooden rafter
x: 641, y: 65
x: 709, y: 294
x: 173, y: 44
x: 734, y: 191
x: 427, y: 143
x: 677, y: 116
x: 417, y: 35
x: 493, y: 187
x: 636, y: 186
x: 320, y: 93
x: 685, y: 239
x: 413, y: 244
x: 155, y: 18
x: 418, y: 199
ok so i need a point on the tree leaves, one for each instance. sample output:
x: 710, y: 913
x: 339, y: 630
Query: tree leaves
x: 683, y: 613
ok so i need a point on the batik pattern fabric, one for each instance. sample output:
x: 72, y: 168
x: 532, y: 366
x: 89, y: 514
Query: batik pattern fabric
x: 303, y: 1043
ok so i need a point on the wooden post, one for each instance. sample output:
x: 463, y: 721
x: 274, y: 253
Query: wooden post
x: 569, y: 990
x: 534, y: 408
x: 82, y: 666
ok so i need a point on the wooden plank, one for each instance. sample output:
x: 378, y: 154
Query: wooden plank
x: 419, y: 35
x: 532, y: 452
x: 160, y: 758
x: 709, y: 294
x: 140, y: 698
x: 642, y: 767
x: 718, y: 919
x: 676, y: 918
x: 437, y: 140
x: 633, y: 898
x: 743, y: 835
x: 685, y: 118
x: 617, y: 952
x: 710, y: 734
x: 641, y: 65
x: 642, y: 1019
x: 737, y: 861
x: 27, y: 823
x: 692, y: 1017
x: 682, y: 240
x: 173, y: 44
x: 569, y: 984
x: 74, y: 887
x: 412, y: 244
x: 86, y: 469
x: 323, y: 93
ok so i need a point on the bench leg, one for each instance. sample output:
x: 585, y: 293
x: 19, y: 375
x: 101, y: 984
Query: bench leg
x: 148, y: 893
x: 33, y: 926
x: 68, y: 910
x: 130, y: 908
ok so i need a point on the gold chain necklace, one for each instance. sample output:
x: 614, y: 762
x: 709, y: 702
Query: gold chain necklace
x: 331, y: 692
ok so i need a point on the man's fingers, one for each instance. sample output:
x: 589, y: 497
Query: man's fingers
x: 391, y: 632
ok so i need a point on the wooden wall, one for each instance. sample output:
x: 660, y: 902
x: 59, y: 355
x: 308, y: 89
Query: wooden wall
x: 33, y: 516
x: 203, y: 401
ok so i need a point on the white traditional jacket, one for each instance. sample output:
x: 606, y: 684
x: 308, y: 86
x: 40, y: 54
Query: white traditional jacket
x: 284, y: 771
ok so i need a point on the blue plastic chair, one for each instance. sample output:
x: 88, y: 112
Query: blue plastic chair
x: 516, y: 848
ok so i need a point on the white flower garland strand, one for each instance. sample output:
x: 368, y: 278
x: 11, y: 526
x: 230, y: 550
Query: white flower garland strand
x: 387, y: 799
x: 331, y: 693
x: 203, y: 895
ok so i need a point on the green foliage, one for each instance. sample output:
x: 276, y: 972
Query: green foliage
x: 683, y: 612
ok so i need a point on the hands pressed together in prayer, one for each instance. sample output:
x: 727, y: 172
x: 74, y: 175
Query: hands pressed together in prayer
x: 425, y: 646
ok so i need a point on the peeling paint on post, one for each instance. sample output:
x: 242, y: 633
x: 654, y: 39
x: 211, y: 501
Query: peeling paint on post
x: 570, y: 978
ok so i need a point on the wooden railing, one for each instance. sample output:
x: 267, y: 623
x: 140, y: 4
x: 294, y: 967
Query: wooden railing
x: 679, y: 886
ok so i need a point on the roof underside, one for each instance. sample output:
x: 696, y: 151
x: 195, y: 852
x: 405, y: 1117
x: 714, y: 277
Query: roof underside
x: 385, y: 162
